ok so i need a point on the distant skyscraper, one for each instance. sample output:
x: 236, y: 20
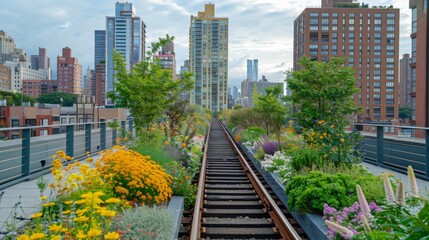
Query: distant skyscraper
x: 167, y: 58
x: 234, y: 92
x: 41, y: 61
x: 4, y: 77
x: 249, y: 87
x: 208, y: 57
x: 126, y: 33
x: 98, y: 76
x: 405, y: 81
x: 252, y: 70
x: 69, y: 73
x: 7, y: 46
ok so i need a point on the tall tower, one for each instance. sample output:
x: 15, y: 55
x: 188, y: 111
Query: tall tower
x: 208, y: 58
x: 98, y: 78
x: 369, y: 40
x: 7, y: 46
x: 69, y: 73
x: 41, y: 61
x: 405, y: 81
x: 249, y: 69
x: 255, y: 70
x: 126, y: 33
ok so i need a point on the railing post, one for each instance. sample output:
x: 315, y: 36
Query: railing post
x: 123, y: 128
x: 130, y: 126
x: 427, y: 152
x: 25, y: 154
x: 380, y: 147
x: 88, y: 137
x: 114, y: 132
x: 103, y: 135
x: 70, y: 140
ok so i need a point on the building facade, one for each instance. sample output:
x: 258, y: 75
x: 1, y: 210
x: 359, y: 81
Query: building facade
x: 69, y: 73
x: 125, y: 33
x: 405, y: 81
x: 4, y: 77
x: 34, y: 88
x: 369, y: 40
x: 252, y: 70
x: 208, y: 59
x: 20, y: 71
x: 248, y: 88
x: 167, y: 58
x: 7, y: 46
x: 41, y: 62
x: 419, y: 64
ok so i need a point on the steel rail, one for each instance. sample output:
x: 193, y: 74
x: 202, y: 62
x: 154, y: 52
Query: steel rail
x: 198, y: 208
x: 285, y: 228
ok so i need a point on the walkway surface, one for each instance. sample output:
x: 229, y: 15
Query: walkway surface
x: 29, y: 195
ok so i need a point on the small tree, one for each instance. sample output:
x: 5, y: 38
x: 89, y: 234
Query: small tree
x: 404, y: 113
x: 323, y: 91
x: 147, y: 89
x: 55, y: 98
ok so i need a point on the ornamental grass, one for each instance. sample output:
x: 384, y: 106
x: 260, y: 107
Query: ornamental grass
x: 135, y: 177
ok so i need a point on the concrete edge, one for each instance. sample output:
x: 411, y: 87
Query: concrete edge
x: 175, y: 207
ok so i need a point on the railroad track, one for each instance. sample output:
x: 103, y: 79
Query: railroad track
x: 232, y: 202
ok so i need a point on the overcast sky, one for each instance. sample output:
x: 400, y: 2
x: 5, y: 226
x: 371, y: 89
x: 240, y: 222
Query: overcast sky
x: 261, y: 29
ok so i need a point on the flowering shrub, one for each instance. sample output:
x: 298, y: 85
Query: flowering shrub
x: 135, y: 177
x: 278, y: 163
x: 349, y: 217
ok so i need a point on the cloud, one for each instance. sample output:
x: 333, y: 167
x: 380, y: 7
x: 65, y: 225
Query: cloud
x: 66, y: 25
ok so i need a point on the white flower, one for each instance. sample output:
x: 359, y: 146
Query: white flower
x: 414, y: 191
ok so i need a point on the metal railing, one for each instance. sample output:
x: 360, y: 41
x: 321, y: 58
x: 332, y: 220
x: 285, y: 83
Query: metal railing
x: 31, y: 156
x: 393, y: 147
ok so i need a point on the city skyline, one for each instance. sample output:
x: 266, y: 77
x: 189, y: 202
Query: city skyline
x: 258, y: 29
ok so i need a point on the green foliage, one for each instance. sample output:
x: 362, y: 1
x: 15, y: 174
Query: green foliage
x: 404, y: 113
x: 182, y: 184
x: 306, y: 157
x: 323, y: 91
x: 14, y: 99
x: 308, y: 193
x: 260, y: 154
x: 252, y: 134
x: 55, y: 98
x: 147, y: 89
x: 144, y: 223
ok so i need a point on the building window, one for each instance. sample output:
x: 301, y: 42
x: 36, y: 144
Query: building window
x: 314, y: 14
x: 390, y: 21
x: 15, y: 122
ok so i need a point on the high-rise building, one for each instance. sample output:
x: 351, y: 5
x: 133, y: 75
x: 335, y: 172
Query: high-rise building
x: 234, y: 92
x: 34, y: 88
x: 7, y: 46
x: 208, y: 58
x: 369, y: 40
x: 252, y: 70
x: 167, y: 58
x: 22, y: 71
x: 419, y: 64
x: 125, y: 33
x: 40, y: 61
x: 405, y: 81
x: 69, y: 73
x: 98, y: 76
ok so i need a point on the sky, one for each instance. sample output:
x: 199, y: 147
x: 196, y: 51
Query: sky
x: 258, y: 29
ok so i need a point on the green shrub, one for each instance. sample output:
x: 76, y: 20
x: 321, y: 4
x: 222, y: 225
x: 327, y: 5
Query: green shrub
x: 260, y: 154
x: 305, y: 157
x: 182, y: 184
x: 144, y: 223
x: 252, y: 134
x: 308, y: 193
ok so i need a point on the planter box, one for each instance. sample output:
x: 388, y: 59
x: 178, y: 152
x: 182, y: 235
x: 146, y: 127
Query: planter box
x: 175, y: 207
x: 313, y: 224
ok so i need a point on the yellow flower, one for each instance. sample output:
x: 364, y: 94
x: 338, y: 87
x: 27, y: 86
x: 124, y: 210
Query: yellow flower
x: 80, y: 235
x: 81, y: 219
x: 36, y: 236
x: 113, y: 200
x: 332, y: 125
x: 43, y: 197
x: 166, y: 142
x: 108, y: 213
x: 87, y: 153
x: 49, y: 204
x: 61, y: 154
x: 55, y: 228
x: 111, y: 235
x: 183, y: 145
x: 342, y: 140
x: 81, y: 211
x: 69, y: 202
x: 56, y: 237
x: 80, y: 202
x: 321, y: 137
x: 89, y: 160
x: 23, y: 237
x: 37, y: 215
x: 392, y: 175
x: 93, y: 232
x: 66, y: 212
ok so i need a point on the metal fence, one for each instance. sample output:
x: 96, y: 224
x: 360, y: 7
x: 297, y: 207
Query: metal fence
x: 393, y: 147
x: 29, y: 157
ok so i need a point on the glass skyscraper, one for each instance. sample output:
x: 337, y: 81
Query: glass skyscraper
x: 126, y: 33
x: 208, y: 58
